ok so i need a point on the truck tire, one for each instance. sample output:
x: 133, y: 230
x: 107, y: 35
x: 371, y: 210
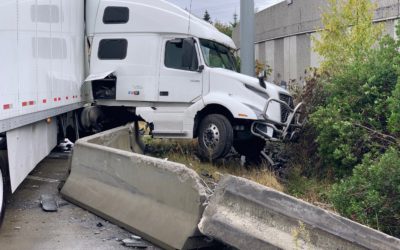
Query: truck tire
x: 215, y: 137
x: 3, y: 184
x: 251, y: 148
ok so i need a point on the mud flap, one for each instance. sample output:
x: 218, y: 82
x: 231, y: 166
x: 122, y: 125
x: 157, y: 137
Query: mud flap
x: 159, y: 200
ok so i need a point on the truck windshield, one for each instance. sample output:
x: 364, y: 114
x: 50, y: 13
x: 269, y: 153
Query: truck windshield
x: 217, y: 55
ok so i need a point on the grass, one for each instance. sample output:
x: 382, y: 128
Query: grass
x: 184, y: 151
x: 312, y: 190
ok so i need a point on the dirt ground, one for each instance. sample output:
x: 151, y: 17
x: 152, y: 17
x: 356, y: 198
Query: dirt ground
x: 27, y: 227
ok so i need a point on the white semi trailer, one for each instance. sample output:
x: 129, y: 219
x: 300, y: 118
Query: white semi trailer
x: 42, y: 64
x: 66, y: 71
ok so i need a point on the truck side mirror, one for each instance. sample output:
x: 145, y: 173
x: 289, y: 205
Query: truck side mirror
x: 201, y: 69
x: 189, y: 59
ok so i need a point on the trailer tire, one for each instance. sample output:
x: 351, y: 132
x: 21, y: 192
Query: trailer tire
x: 215, y: 137
x: 3, y: 143
x: 251, y: 148
x: 3, y: 184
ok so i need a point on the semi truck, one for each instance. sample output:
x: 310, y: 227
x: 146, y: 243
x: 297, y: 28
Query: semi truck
x: 74, y: 67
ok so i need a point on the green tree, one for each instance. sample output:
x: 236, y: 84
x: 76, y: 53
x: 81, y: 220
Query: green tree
x: 357, y: 120
x: 207, y: 17
x: 361, y: 78
x: 354, y: 119
x: 224, y: 28
x: 394, y: 102
x: 348, y: 34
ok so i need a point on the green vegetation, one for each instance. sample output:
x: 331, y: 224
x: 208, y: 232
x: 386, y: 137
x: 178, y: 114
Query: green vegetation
x: 226, y: 28
x: 353, y: 104
x: 185, y: 152
x: 348, y: 34
x: 372, y: 194
x: 354, y: 119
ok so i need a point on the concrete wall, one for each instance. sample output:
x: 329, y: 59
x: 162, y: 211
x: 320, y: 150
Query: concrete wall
x: 159, y: 200
x: 284, y: 35
x: 247, y: 215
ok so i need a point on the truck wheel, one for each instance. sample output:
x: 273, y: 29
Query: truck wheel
x: 251, y: 148
x: 3, y: 187
x: 215, y: 137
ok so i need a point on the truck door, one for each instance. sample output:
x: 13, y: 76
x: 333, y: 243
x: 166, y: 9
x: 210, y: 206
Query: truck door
x: 180, y: 78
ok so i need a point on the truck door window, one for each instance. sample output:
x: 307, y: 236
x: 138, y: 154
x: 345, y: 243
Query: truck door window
x: 113, y: 49
x: 217, y: 55
x: 174, y: 56
x: 116, y: 15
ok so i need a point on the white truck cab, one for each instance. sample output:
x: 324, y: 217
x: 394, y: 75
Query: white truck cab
x: 179, y: 72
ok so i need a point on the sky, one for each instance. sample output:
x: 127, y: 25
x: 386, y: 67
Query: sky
x: 221, y: 10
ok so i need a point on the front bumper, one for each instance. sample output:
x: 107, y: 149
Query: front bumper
x: 272, y: 130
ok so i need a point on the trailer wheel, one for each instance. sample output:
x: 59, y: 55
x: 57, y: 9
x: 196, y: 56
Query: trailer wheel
x: 3, y: 186
x: 215, y: 137
x: 251, y: 148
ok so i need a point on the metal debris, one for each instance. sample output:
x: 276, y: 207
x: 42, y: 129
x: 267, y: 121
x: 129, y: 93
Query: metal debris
x: 49, y: 203
x: 134, y: 243
x: 135, y: 237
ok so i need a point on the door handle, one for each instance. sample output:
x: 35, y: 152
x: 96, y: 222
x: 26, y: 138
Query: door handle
x: 194, y: 80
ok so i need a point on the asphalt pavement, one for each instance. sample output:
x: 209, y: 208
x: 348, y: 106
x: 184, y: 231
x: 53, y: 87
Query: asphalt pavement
x: 27, y: 227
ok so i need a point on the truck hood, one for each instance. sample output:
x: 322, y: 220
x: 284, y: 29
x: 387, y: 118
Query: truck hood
x: 248, y: 80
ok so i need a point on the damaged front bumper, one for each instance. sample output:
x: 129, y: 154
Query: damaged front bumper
x: 272, y: 130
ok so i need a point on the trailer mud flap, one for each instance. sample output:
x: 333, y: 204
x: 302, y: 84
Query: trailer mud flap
x: 247, y: 215
x: 159, y: 200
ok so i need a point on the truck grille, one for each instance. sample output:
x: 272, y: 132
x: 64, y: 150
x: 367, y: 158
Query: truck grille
x: 285, y: 112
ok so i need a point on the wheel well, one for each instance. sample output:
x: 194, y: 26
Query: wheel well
x: 210, y: 109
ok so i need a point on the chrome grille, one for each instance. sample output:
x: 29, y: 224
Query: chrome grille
x: 285, y: 112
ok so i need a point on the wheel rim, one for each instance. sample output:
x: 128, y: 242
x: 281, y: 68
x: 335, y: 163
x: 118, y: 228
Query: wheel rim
x: 211, y: 136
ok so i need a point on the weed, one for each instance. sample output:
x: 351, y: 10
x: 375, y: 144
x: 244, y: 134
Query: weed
x: 184, y: 151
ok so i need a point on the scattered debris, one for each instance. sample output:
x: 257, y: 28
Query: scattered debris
x: 17, y: 228
x: 243, y: 161
x: 206, y: 174
x: 135, y: 237
x: 49, y: 203
x: 37, y: 178
x: 99, y: 224
x: 63, y: 203
x: 67, y: 145
x: 134, y: 243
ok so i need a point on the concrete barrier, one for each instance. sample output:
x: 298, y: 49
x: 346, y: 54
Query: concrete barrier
x: 247, y: 215
x: 159, y: 200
